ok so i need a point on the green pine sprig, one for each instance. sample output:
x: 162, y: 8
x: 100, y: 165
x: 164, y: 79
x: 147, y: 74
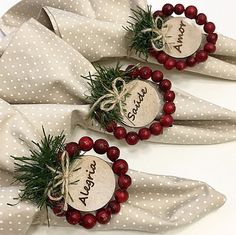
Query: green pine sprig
x: 99, y: 83
x: 140, y: 42
x: 33, y: 173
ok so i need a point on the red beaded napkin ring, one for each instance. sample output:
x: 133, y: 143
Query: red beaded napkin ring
x: 162, y: 36
x: 62, y: 177
x: 111, y: 119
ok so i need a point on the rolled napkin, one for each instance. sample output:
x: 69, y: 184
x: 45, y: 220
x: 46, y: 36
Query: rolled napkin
x: 156, y: 203
x: 88, y: 35
x: 26, y: 9
x: 88, y: 27
x: 43, y: 69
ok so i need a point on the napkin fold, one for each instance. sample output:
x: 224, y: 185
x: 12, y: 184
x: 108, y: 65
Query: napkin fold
x: 96, y: 30
x: 102, y: 9
x: 41, y: 85
x: 37, y: 67
x: 156, y: 203
x: 89, y: 35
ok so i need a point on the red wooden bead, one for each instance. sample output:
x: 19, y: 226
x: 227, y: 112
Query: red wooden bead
x: 191, y: 12
x: 179, y: 9
x: 210, y: 47
x: 132, y: 138
x: 165, y: 85
x: 120, y: 132
x: 156, y: 128
x: 209, y: 27
x: 169, y: 96
x: 168, y: 9
x: 73, y: 216
x: 124, y: 181
x: 191, y: 61
x: 58, y: 209
x: 158, y: 13
x: 169, y: 108
x: 134, y: 73
x: 100, y: 146
x: 201, y: 19
x: 88, y: 221
x: 121, y: 195
x: 72, y: 148
x: 153, y: 52
x: 111, y: 126
x: 180, y: 65
x: 144, y: 133
x: 170, y: 64
x: 145, y: 72
x: 201, y: 56
x: 166, y: 120
x: 120, y: 166
x: 157, y: 76
x: 212, y: 37
x: 162, y: 57
x: 114, y: 206
x: 103, y: 216
x: 85, y: 143
x: 113, y: 153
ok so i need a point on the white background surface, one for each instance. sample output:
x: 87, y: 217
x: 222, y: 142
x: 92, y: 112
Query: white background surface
x: 215, y: 164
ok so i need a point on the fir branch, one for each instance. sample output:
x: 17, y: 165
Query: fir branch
x: 140, y: 42
x: 99, y: 83
x: 32, y: 170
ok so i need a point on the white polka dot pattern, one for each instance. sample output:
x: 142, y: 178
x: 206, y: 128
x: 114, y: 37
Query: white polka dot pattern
x: 4, y: 42
x: 43, y: 69
x: 40, y: 66
x: 223, y: 62
x: 156, y: 203
x: 93, y: 38
x: 14, y: 219
x: 196, y: 122
x: 77, y: 18
x: 73, y: 27
x: 160, y: 204
x: 39, y: 70
x: 99, y: 9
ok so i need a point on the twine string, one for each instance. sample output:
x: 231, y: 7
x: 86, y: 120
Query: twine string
x: 162, y: 35
x: 109, y: 101
x: 62, y: 177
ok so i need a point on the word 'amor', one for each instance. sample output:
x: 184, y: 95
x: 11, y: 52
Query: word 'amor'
x: 180, y: 37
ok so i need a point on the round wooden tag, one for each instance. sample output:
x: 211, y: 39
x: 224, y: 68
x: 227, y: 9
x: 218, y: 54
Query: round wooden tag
x: 92, y: 184
x: 184, y: 37
x: 143, y: 104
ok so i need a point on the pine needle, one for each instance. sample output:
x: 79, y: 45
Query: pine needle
x: 99, y: 83
x: 31, y: 171
x: 140, y: 42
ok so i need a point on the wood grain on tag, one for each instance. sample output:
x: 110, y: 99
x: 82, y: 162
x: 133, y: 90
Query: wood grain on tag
x: 184, y: 37
x: 94, y: 184
x: 143, y: 104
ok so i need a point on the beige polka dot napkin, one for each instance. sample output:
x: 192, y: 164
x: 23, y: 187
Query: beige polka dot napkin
x: 95, y: 29
x: 41, y: 84
x: 43, y: 69
x: 38, y: 67
x: 71, y: 26
x: 156, y: 203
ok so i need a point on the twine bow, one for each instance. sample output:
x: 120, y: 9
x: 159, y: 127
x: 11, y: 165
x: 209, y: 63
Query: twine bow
x: 160, y: 42
x: 113, y: 97
x: 63, y: 180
